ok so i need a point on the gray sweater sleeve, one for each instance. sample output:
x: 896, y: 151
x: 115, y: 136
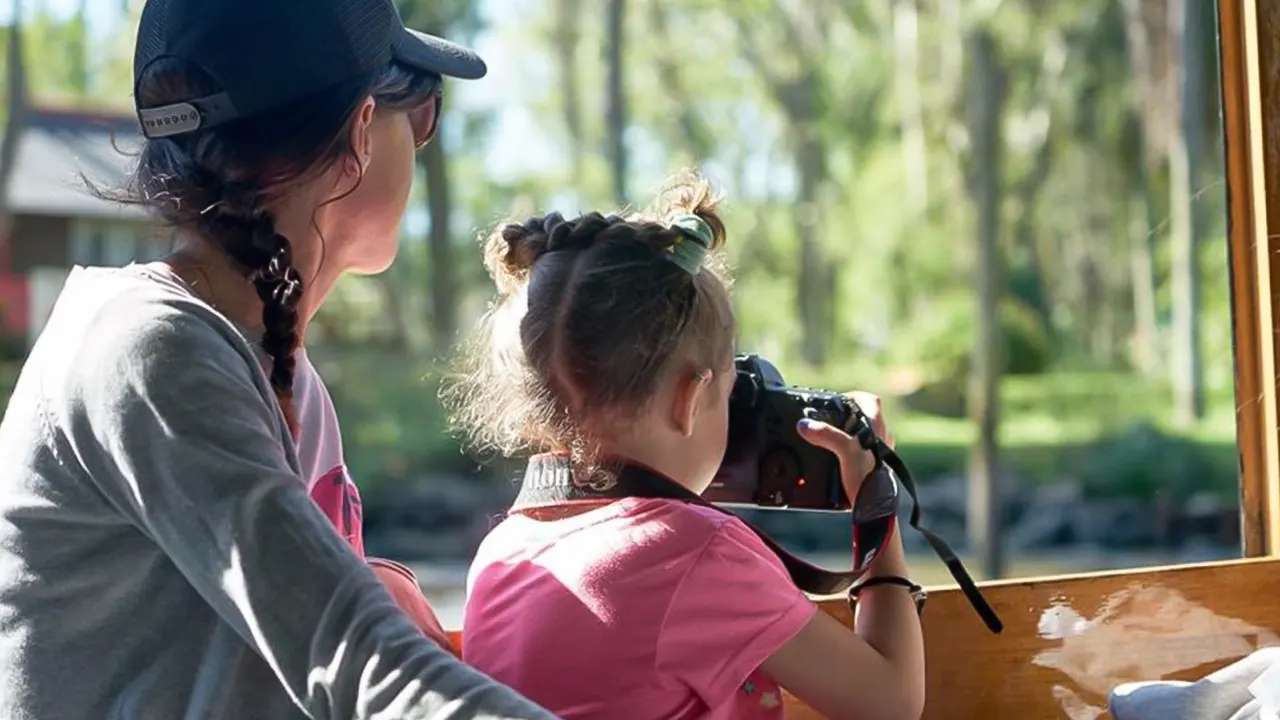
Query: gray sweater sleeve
x: 174, y: 430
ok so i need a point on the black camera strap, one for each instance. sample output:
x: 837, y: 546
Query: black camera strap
x: 940, y: 548
x: 548, y: 482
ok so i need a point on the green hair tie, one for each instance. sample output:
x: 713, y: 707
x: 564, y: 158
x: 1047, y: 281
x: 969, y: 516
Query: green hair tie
x: 692, y: 244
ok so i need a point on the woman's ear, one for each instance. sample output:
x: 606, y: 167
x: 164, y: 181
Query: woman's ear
x: 362, y: 136
x: 691, y: 389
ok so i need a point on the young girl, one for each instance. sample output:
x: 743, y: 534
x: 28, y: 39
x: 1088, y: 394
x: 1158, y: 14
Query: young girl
x: 613, y: 340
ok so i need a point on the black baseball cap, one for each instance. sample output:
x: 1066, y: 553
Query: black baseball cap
x: 265, y: 53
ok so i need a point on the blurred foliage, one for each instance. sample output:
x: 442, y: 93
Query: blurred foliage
x: 1100, y: 429
x: 838, y: 127
x: 8, y: 376
x: 393, y: 424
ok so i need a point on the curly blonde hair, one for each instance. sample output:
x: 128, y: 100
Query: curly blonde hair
x: 591, y: 314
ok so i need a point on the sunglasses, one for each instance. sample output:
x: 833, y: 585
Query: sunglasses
x: 425, y: 118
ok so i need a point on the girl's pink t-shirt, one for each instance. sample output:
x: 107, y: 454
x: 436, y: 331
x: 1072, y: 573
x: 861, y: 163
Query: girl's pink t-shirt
x: 639, y: 610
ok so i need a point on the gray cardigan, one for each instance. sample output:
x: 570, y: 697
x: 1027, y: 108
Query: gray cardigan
x: 159, y: 554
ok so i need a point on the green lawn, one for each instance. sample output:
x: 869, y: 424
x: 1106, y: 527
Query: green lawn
x: 1108, y: 431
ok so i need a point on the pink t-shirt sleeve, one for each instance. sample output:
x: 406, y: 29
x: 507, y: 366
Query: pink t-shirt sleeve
x: 339, y: 500
x: 734, y: 608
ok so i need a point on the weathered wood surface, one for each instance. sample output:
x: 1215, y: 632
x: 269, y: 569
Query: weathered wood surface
x: 1069, y: 640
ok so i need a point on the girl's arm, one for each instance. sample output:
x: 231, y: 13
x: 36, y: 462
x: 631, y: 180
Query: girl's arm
x: 876, y: 671
x: 736, y: 610
x: 403, y: 586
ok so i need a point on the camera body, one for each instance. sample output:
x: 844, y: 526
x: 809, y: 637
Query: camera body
x: 766, y: 462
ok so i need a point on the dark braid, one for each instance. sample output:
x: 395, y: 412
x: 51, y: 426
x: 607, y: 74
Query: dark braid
x: 527, y: 242
x: 246, y: 232
x: 279, y: 286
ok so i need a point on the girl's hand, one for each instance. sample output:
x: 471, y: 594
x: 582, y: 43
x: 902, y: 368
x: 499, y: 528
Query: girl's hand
x: 855, y: 462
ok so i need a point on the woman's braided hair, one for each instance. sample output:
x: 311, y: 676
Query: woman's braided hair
x: 219, y: 183
x: 247, y: 234
x: 591, y: 315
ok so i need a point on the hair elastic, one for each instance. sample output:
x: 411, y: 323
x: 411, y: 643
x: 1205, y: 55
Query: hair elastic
x: 693, y: 243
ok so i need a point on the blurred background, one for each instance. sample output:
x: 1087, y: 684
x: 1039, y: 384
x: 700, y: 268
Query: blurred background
x: 1007, y: 217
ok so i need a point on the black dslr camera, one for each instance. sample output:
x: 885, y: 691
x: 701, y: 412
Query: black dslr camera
x: 767, y: 464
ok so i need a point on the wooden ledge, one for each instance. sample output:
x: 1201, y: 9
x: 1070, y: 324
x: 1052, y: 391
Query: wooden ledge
x: 1069, y: 640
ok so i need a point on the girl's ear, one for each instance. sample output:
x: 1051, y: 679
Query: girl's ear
x: 691, y: 390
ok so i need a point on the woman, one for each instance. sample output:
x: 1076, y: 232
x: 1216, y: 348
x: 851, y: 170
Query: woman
x: 159, y: 554
x: 613, y: 344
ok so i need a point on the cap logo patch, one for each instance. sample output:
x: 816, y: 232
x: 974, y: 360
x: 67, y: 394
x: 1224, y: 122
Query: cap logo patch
x: 169, y: 120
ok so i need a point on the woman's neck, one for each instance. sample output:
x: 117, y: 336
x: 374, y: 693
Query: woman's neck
x: 213, y: 277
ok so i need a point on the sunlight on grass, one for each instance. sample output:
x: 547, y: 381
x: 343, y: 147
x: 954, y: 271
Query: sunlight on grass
x: 1063, y: 408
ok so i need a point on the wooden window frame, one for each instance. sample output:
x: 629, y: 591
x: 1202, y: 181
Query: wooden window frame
x: 1069, y: 640
x: 1251, y: 127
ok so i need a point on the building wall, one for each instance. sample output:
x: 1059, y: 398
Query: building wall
x: 43, y: 248
x: 38, y: 241
x: 14, y: 301
x: 112, y: 243
x: 44, y: 284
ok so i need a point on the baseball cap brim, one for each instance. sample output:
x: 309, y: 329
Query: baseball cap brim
x: 437, y: 55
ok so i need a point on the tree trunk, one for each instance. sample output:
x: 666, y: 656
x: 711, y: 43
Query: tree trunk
x: 799, y: 94
x: 1142, y: 271
x: 566, y: 37
x: 444, y: 290
x: 1024, y: 229
x: 952, y: 50
x: 16, y: 90
x: 906, y: 67
x: 80, y: 56
x: 1095, y: 257
x: 616, y: 114
x: 1184, y: 147
x: 986, y: 102
x: 813, y: 285
x: 402, y: 336
x: 1142, y: 267
x: 694, y: 134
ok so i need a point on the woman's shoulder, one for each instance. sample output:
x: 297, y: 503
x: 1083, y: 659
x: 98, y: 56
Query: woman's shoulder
x: 138, y: 312
x: 126, y: 363
x: 115, y: 328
